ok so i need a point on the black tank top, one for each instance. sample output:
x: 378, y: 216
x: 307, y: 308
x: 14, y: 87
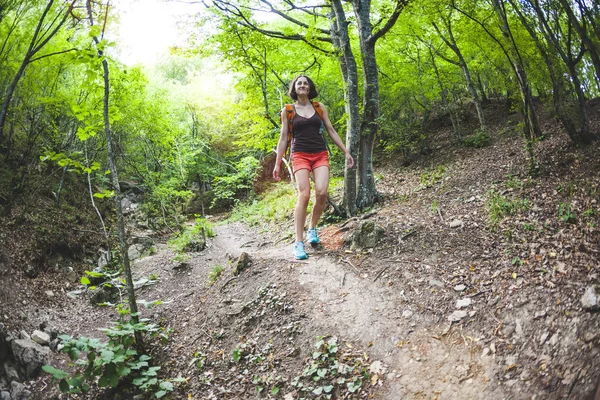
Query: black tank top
x: 306, y: 136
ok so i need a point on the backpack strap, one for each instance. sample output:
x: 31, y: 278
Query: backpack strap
x: 319, y: 111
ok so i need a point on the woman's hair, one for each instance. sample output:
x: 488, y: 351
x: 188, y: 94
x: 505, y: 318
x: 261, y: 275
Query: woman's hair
x: 313, y: 90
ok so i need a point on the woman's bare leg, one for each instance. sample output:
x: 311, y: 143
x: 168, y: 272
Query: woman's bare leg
x: 321, y: 175
x: 303, y: 183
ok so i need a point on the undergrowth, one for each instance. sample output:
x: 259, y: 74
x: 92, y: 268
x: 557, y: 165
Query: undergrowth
x: 274, y: 206
x: 193, y: 238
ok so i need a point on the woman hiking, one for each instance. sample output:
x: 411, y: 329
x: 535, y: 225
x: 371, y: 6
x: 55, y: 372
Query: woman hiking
x: 309, y: 154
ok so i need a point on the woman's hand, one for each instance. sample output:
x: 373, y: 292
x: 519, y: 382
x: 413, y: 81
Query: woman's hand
x: 349, y: 160
x: 276, y: 172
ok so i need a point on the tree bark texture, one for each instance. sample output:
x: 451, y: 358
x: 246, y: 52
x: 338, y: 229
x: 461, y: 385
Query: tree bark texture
x: 341, y: 40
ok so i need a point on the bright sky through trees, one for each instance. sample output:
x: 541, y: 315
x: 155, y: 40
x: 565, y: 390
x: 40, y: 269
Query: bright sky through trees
x: 148, y: 28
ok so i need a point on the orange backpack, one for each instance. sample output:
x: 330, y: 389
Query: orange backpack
x: 290, y: 110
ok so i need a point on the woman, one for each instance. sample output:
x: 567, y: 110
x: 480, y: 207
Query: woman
x: 309, y: 153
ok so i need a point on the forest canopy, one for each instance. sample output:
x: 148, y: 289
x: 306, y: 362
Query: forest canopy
x: 201, y: 121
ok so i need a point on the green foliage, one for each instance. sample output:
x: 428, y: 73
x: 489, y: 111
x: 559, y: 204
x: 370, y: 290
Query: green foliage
x: 110, y: 363
x: 498, y: 207
x: 433, y: 176
x: 566, y: 213
x: 567, y: 188
x: 226, y: 188
x: 331, y: 372
x: 480, y: 139
x: 193, y: 238
x: 276, y: 205
x: 513, y: 182
x: 434, y: 207
x: 590, y: 213
x: 214, y: 274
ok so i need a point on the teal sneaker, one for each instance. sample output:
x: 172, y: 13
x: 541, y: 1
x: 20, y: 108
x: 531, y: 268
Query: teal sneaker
x: 311, y: 236
x: 299, y: 251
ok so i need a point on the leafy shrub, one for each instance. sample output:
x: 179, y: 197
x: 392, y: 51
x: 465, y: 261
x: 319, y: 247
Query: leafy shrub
x: 194, y: 238
x: 275, y: 206
x: 227, y: 188
x: 109, y: 363
x: 432, y: 177
x: 566, y: 214
x: 513, y: 182
x: 480, y: 139
x: 166, y: 201
x: 498, y: 206
x: 331, y: 372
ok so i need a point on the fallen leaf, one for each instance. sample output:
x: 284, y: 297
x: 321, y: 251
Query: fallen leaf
x: 374, y: 379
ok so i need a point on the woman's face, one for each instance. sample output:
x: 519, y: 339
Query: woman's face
x: 302, y: 86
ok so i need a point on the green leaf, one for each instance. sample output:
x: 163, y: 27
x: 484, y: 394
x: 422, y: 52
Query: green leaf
x: 85, y: 280
x: 95, y: 30
x: 318, y: 390
x: 166, y: 385
x: 64, y: 386
x: 275, y: 390
x: 237, y: 354
x: 160, y: 393
x: 328, y: 389
x: 55, y: 372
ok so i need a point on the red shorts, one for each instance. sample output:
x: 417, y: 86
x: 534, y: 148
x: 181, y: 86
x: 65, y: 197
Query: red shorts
x: 309, y: 161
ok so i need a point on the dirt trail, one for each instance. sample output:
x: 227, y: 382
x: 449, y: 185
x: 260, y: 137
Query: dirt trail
x: 422, y: 359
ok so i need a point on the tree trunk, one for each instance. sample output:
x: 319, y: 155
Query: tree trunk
x: 341, y: 40
x: 115, y: 183
x: 367, y: 192
x: 451, y: 43
x: 531, y: 125
x: 585, y: 39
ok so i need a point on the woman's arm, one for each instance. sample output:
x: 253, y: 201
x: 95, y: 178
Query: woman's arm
x: 335, y: 137
x: 281, y: 144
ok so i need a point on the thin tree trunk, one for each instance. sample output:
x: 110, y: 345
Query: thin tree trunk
x: 341, y: 40
x: 115, y: 183
x: 585, y: 39
x: 451, y: 43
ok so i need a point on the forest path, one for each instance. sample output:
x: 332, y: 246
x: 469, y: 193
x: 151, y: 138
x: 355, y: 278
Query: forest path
x: 423, y: 359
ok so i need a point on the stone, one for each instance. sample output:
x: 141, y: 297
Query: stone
x: 457, y: 223
x: 242, y: 263
x: 457, y: 316
x: 10, y: 371
x: 365, y: 236
x: 24, y: 335
x: 435, y: 282
x: 18, y: 391
x: 30, y: 357
x: 103, y: 259
x: 135, y: 251
x: 40, y: 337
x: 589, y: 300
x: 71, y: 275
x: 407, y: 314
x: 460, y: 288
x: 4, y: 395
x: 463, y: 303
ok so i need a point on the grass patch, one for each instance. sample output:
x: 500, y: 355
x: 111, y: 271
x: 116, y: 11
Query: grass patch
x: 214, y: 274
x: 498, y: 207
x: 193, y: 238
x: 276, y: 205
x: 432, y: 177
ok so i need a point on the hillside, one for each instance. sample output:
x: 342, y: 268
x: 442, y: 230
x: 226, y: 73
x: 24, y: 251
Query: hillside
x: 473, y: 291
